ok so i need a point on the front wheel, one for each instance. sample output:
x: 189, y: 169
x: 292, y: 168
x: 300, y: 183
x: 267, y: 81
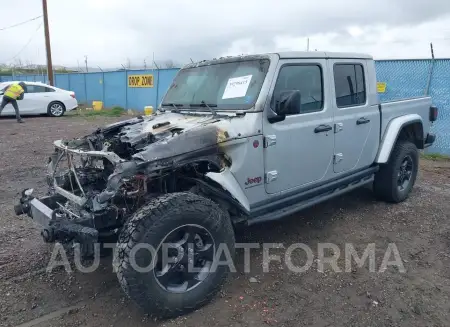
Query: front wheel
x: 56, y: 109
x: 395, y: 179
x: 166, y: 258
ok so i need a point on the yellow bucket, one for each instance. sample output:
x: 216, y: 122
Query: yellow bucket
x: 97, y: 105
x: 148, y: 110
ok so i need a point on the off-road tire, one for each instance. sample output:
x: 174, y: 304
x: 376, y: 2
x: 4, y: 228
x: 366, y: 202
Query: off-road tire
x: 385, y: 184
x: 150, y: 225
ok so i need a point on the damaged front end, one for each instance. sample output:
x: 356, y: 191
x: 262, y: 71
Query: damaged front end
x: 97, y: 182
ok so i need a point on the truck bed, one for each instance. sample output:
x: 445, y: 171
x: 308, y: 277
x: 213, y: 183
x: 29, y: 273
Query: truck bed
x: 419, y: 106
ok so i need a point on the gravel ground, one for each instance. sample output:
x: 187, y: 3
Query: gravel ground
x: 419, y: 227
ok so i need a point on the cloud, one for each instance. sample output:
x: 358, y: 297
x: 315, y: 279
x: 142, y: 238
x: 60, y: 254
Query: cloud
x: 111, y: 32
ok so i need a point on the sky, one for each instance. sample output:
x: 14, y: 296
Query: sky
x: 112, y: 33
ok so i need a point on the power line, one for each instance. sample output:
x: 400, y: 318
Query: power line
x: 29, y: 41
x: 18, y: 24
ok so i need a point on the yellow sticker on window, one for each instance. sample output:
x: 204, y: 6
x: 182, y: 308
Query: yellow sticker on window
x: 381, y: 87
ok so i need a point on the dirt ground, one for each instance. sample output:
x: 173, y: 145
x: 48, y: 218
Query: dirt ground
x: 419, y: 227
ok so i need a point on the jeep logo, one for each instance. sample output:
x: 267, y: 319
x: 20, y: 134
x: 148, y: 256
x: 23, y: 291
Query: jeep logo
x: 255, y: 180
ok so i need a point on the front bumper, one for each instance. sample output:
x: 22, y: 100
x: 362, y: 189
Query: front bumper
x: 54, y: 228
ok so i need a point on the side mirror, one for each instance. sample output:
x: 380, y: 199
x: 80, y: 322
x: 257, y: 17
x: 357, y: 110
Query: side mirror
x: 276, y: 118
x: 2, y: 92
x: 286, y: 103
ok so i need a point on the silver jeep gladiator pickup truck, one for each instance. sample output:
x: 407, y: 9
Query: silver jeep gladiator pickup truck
x: 236, y: 141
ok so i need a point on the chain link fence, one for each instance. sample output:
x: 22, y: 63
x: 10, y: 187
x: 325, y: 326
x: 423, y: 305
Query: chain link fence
x: 414, y: 78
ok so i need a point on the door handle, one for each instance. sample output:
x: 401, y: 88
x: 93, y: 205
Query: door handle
x: 362, y: 120
x: 322, y: 128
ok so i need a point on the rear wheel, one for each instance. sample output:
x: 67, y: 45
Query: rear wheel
x: 166, y: 254
x: 395, y: 179
x: 56, y: 109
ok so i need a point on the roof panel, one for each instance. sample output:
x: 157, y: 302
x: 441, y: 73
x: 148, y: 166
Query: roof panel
x: 321, y: 54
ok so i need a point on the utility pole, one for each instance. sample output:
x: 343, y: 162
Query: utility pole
x: 307, y: 44
x: 430, y: 73
x: 47, y: 43
x: 85, y: 62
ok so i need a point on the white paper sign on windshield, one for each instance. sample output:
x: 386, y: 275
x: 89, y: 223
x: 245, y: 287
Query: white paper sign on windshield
x: 237, y: 87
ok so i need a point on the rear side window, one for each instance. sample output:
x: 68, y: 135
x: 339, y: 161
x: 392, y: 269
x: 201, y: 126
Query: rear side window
x: 307, y: 79
x: 38, y: 89
x: 349, y: 83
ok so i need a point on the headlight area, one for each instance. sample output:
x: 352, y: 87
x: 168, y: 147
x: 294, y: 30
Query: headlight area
x: 89, y: 198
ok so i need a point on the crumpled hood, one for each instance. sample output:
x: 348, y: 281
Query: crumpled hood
x: 161, y: 125
x: 175, y: 134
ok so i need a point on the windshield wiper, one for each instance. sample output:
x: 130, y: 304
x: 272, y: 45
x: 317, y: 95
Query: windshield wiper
x: 206, y: 105
x: 175, y: 105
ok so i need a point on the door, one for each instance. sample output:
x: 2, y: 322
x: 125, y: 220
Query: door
x: 356, y: 122
x: 298, y: 150
x: 35, y: 100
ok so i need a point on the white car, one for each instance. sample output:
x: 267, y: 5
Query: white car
x: 41, y: 98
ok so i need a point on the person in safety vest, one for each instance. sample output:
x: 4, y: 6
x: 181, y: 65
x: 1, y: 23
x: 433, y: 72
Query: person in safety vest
x: 13, y: 93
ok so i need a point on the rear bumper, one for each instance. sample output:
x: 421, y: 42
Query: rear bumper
x: 73, y: 107
x: 71, y: 104
x: 54, y: 228
x: 430, y: 140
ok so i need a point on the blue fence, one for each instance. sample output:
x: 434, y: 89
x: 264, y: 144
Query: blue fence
x: 110, y: 87
x: 404, y: 79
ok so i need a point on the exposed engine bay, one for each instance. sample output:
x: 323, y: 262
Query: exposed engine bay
x: 124, y: 138
x: 100, y: 180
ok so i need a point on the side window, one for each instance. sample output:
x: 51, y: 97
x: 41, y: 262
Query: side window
x: 47, y: 89
x: 349, y: 84
x: 36, y: 89
x: 299, y: 83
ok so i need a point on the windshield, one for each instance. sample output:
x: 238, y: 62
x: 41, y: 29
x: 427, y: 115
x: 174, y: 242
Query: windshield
x: 232, y: 85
